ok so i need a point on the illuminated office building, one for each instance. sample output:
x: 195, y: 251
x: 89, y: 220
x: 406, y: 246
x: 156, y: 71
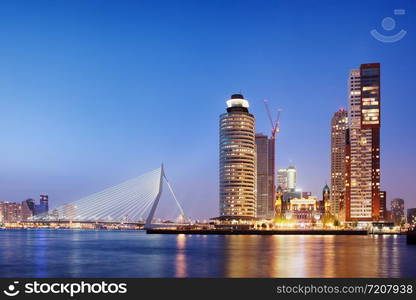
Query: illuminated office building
x: 282, y: 179
x: 237, y: 160
x: 10, y: 212
x: 286, y: 178
x: 339, y: 124
x: 291, y: 178
x: 362, y: 182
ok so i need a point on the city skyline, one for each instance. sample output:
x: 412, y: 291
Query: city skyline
x: 69, y: 132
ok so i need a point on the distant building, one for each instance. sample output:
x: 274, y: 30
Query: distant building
x: 397, y: 211
x: 44, y: 201
x: 291, y: 178
x: 237, y: 161
x: 43, y: 206
x: 326, y: 199
x: 339, y: 125
x: 291, y: 194
x: 411, y: 216
x: 266, y: 190
x: 10, y: 212
x: 306, y: 195
x: 282, y: 179
x: 27, y: 211
x: 31, y: 204
x: 286, y: 178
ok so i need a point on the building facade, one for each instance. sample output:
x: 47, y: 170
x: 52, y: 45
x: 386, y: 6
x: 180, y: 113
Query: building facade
x: 339, y: 125
x: 383, y: 205
x: 43, y: 206
x: 286, y: 178
x: 411, y: 216
x: 291, y: 178
x: 237, y: 160
x: 282, y: 179
x: 397, y: 211
x: 326, y: 199
x: 362, y: 182
x: 266, y: 189
x: 27, y: 211
x: 10, y: 212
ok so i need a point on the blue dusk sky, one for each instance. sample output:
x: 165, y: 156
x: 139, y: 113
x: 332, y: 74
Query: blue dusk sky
x: 95, y: 92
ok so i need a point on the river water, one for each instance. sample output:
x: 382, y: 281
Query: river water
x: 101, y: 253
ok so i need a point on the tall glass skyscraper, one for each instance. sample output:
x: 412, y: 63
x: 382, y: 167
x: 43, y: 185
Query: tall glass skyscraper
x: 362, y: 188
x: 237, y: 160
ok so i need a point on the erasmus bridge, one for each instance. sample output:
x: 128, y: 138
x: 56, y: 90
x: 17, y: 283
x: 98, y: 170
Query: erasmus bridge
x: 132, y: 201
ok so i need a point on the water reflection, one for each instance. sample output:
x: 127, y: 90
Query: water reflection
x: 313, y: 256
x: 79, y: 253
x: 180, y: 256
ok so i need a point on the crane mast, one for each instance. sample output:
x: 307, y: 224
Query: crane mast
x: 275, y: 124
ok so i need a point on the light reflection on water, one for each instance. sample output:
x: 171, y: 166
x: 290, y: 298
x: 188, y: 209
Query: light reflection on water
x: 75, y: 253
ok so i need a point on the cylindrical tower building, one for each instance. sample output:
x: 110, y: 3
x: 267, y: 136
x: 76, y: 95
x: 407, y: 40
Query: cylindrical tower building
x: 237, y: 160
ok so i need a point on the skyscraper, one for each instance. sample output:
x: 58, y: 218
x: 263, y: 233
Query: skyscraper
x: 362, y: 182
x: 397, y: 211
x: 282, y: 179
x: 237, y: 160
x: 43, y: 206
x: 27, y: 209
x: 339, y: 124
x: 31, y: 204
x: 286, y: 178
x: 291, y: 178
x: 266, y: 190
x: 44, y: 202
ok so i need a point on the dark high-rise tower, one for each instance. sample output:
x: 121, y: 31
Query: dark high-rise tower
x: 266, y: 190
x: 237, y: 160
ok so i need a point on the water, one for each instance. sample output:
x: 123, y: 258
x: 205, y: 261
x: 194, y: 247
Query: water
x: 100, y: 253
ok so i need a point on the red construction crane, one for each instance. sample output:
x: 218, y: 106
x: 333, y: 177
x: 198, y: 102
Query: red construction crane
x: 275, y: 125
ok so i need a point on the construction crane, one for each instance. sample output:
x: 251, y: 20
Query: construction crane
x: 275, y: 125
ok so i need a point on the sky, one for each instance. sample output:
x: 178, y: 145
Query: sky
x: 96, y: 92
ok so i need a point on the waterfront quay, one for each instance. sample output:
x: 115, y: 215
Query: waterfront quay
x: 255, y: 231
